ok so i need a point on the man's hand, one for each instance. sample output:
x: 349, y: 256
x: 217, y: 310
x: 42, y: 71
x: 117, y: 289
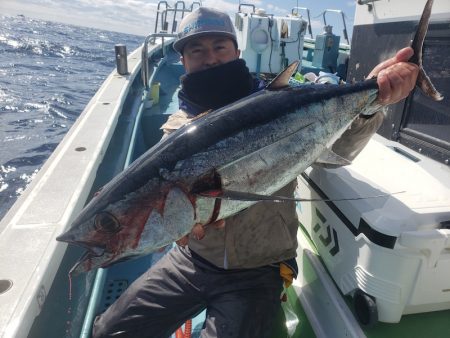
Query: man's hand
x: 396, y: 77
x: 198, y: 231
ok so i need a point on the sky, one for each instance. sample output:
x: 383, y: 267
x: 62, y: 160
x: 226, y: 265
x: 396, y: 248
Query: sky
x: 137, y: 16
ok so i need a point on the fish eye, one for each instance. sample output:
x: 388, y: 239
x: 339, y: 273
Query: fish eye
x: 105, y: 222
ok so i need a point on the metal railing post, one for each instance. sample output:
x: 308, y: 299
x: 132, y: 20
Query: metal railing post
x: 144, y: 54
x: 162, y: 14
x: 309, y: 18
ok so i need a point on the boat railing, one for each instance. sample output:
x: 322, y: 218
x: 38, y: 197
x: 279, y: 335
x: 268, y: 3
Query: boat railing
x: 179, y: 8
x: 246, y: 5
x: 163, y: 11
x: 365, y: 2
x: 343, y: 21
x: 145, y: 69
x: 295, y: 12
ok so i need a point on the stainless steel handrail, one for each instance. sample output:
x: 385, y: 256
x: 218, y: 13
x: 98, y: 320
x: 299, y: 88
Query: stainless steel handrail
x: 145, y: 75
x: 309, y: 18
x: 180, y: 6
x: 176, y: 10
x: 365, y: 2
x: 198, y: 3
x: 247, y: 5
x: 343, y: 20
x: 162, y: 14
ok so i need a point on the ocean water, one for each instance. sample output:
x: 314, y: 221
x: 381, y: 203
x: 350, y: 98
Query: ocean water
x: 48, y: 73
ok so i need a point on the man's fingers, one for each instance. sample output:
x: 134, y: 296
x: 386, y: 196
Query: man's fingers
x: 403, y: 55
x: 385, y: 64
x: 198, y: 231
x: 218, y: 224
x: 384, y: 88
x: 183, y: 241
x: 396, y: 82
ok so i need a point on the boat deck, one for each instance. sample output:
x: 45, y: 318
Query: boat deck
x: 330, y: 313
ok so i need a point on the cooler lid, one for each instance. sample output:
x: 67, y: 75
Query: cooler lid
x: 420, y: 188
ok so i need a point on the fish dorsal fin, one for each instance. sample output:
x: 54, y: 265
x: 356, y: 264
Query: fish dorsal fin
x: 329, y: 157
x: 282, y: 79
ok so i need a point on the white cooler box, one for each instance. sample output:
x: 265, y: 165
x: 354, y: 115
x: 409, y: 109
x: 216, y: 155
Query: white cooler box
x: 395, y: 250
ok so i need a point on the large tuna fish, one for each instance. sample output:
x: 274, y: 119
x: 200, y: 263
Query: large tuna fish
x: 250, y: 148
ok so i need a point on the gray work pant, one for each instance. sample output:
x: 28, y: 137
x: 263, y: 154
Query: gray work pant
x: 240, y: 303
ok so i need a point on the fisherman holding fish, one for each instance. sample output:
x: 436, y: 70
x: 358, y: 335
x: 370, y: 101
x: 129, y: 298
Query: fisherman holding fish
x: 233, y: 268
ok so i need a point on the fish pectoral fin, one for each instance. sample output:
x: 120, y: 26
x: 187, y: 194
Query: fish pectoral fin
x: 330, y: 158
x: 247, y: 196
x: 282, y: 79
x: 178, y: 214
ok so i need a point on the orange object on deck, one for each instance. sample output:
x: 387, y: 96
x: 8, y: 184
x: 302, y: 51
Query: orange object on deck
x: 187, y: 330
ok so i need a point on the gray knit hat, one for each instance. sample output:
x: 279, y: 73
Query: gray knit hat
x: 203, y: 21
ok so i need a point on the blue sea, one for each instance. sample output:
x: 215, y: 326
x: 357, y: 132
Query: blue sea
x: 48, y: 73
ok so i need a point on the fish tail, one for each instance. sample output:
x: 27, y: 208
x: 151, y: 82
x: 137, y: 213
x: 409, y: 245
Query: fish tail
x: 423, y: 81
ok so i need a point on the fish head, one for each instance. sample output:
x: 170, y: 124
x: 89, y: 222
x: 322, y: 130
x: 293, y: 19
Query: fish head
x: 132, y: 226
x: 109, y: 231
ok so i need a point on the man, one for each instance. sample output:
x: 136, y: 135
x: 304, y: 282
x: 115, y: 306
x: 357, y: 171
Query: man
x: 231, y: 267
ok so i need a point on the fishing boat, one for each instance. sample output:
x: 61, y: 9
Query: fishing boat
x: 123, y: 120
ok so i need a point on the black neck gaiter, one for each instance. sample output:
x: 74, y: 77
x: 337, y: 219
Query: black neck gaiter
x: 218, y: 86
